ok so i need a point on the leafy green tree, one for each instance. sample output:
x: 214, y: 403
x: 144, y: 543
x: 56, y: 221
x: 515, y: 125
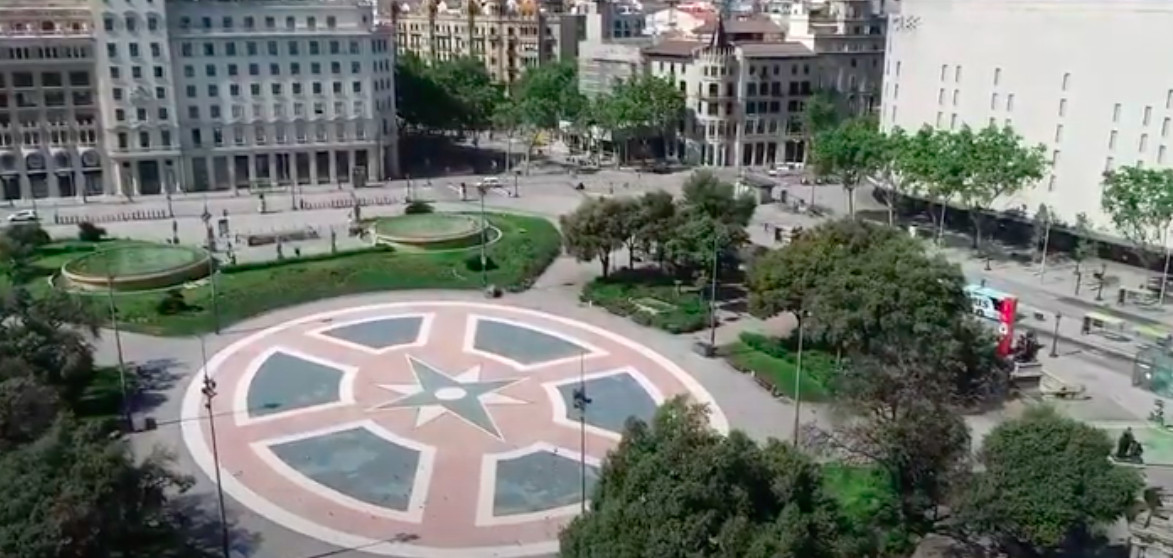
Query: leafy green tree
x: 820, y: 113
x: 859, y: 282
x: 595, y: 230
x: 422, y: 102
x: 895, y: 144
x: 1140, y: 203
x: 470, y: 90
x: 646, y: 107
x: 1045, y: 481
x: 697, y: 238
x: 950, y: 169
x: 717, y: 199
x: 1085, y: 247
x: 40, y: 339
x: 75, y: 492
x: 656, y: 210
x: 676, y: 487
x: 1000, y: 165
x: 915, y: 160
x: 852, y: 151
x: 545, y: 96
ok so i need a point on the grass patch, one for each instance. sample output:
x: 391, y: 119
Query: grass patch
x: 528, y: 246
x: 775, y: 363
x: 649, y: 298
x: 869, y: 509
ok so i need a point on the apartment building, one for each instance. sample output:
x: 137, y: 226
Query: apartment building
x: 611, y: 48
x: 746, y: 80
x: 283, y: 92
x: 507, y: 36
x: 50, y: 125
x: 1082, y: 78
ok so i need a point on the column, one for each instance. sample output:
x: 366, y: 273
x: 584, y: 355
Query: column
x: 313, y: 155
x: 252, y: 170
x: 79, y: 181
x: 334, y: 179
x: 230, y: 160
x: 291, y: 167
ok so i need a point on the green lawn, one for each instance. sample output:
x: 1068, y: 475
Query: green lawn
x: 528, y: 246
x: 649, y: 298
x: 776, y: 364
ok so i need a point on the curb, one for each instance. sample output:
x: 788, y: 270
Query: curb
x: 1086, y: 346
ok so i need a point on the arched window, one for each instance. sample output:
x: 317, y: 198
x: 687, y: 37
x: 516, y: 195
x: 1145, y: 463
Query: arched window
x: 131, y: 22
x: 48, y: 26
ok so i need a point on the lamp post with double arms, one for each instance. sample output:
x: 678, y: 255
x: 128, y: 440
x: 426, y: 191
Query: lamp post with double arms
x: 209, y: 393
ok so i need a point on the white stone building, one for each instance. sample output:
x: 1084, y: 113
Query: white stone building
x: 1090, y: 80
x: 276, y: 92
x: 140, y: 130
x: 50, y: 126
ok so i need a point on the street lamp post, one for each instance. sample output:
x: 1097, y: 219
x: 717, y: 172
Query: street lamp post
x: 118, y: 348
x: 516, y: 190
x: 581, y: 402
x: 1055, y: 336
x: 798, y: 374
x: 209, y: 392
x: 713, y: 298
x: 484, y: 239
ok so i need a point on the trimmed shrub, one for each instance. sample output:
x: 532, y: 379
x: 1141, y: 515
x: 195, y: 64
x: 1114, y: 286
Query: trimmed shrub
x: 172, y: 303
x: 89, y: 232
x: 418, y: 207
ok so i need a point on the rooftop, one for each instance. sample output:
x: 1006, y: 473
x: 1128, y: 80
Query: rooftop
x: 739, y: 26
x: 684, y: 49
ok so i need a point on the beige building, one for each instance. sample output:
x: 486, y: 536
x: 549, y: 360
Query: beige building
x: 747, y: 81
x: 50, y: 127
x: 1085, y: 79
x: 509, y: 36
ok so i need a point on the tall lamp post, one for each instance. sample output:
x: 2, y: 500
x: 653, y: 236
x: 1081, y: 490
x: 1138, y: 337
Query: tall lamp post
x: 802, y: 315
x: 118, y: 348
x: 209, y: 392
x: 581, y: 402
x: 484, y: 238
x: 713, y: 296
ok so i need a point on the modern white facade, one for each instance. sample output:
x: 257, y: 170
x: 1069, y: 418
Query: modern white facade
x: 1089, y: 79
x: 283, y: 92
x: 50, y: 126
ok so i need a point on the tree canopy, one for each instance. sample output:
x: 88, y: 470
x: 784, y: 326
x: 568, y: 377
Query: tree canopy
x: 853, y: 150
x: 676, y: 487
x: 455, y: 95
x: 1046, y: 480
x: 1139, y: 201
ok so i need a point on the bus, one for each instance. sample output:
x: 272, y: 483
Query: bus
x: 997, y: 306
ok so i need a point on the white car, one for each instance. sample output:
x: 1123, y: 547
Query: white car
x: 491, y: 182
x: 23, y: 216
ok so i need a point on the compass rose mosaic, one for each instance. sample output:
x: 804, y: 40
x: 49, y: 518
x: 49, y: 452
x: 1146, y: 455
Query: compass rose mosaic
x: 446, y: 427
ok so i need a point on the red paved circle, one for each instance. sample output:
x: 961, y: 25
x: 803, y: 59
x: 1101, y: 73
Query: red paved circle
x: 304, y: 410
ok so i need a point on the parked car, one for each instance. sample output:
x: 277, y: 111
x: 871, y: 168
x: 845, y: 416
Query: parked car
x: 23, y: 216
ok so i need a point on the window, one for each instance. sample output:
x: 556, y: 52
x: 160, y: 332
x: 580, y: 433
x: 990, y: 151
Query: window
x: 112, y: 50
x: 315, y: 68
x: 953, y: 121
x: 185, y: 49
x: 317, y: 88
x: 226, y: 22
x: 131, y: 24
x: 214, y: 110
x: 294, y: 69
x: 941, y: 96
x: 209, y: 49
x: 1109, y: 164
x: 230, y: 49
x: 938, y: 122
x: 336, y: 67
x: 153, y: 23
x: 1054, y: 157
x: 123, y: 142
x: 1143, y: 144
x: 1051, y: 183
x: 234, y: 90
x: 117, y: 93
x: 331, y: 22
x: 293, y: 48
x: 275, y: 88
x: 156, y: 50
x: 119, y: 115
x: 314, y: 48
x: 254, y: 89
x: 1062, y: 107
x: 1058, y: 133
x: 354, y: 47
x: 944, y: 70
x: 357, y: 88
x: 165, y: 138
x: 311, y: 22
x: 210, y: 70
x: 251, y: 48
x: 134, y: 53
x: 249, y: 22
x: 993, y: 101
x: 193, y: 112
x: 272, y: 47
x: 956, y: 95
x: 1010, y: 102
x: 144, y: 139
x: 206, y: 22
x: 1161, y: 155
x: 232, y: 69
x: 1165, y: 127
x: 213, y: 90
x: 337, y: 88
x: 957, y: 74
x: 355, y: 67
x: 1112, y: 139
x: 158, y: 71
x: 1148, y: 115
x: 274, y: 69
x: 1116, y: 113
x: 290, y: 23
x: 160, y: 93
x: 254, y: 69
x: 115, y: 72
x: 108, y: 23
x: 270, y: 22
x: 191, y: 92
x: 196, y: 138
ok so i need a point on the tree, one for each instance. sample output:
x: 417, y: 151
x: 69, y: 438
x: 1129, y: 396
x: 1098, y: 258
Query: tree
x: 646, y: 105
x: 545, y: 96
x: 470, y: 90
x: 915, y: 160
x: 895, y: 144
x: 859, y: 283
x: 676, y: 487
x: 717, y: 199
x: 697, y: 238
x: 950, y: 169
x: 1046, y: 481
x: 654, y: 210
x: 75, y: 492
x: 1085, y: 247
x: 594, y: 231
x: 819, y: 114
x: 853, y: 150
x: 1140, y: 203
x: 1001, y: 165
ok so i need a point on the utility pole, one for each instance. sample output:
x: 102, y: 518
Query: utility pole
x: 1165, y: 273
x: 484, y: 238
x: 215, y: 263
x: 118, y: 347
x: 581, y: 401
x: 713, y: 295
x: 798, y: 374
x: 1046, y: 245
x: 209, y: 392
